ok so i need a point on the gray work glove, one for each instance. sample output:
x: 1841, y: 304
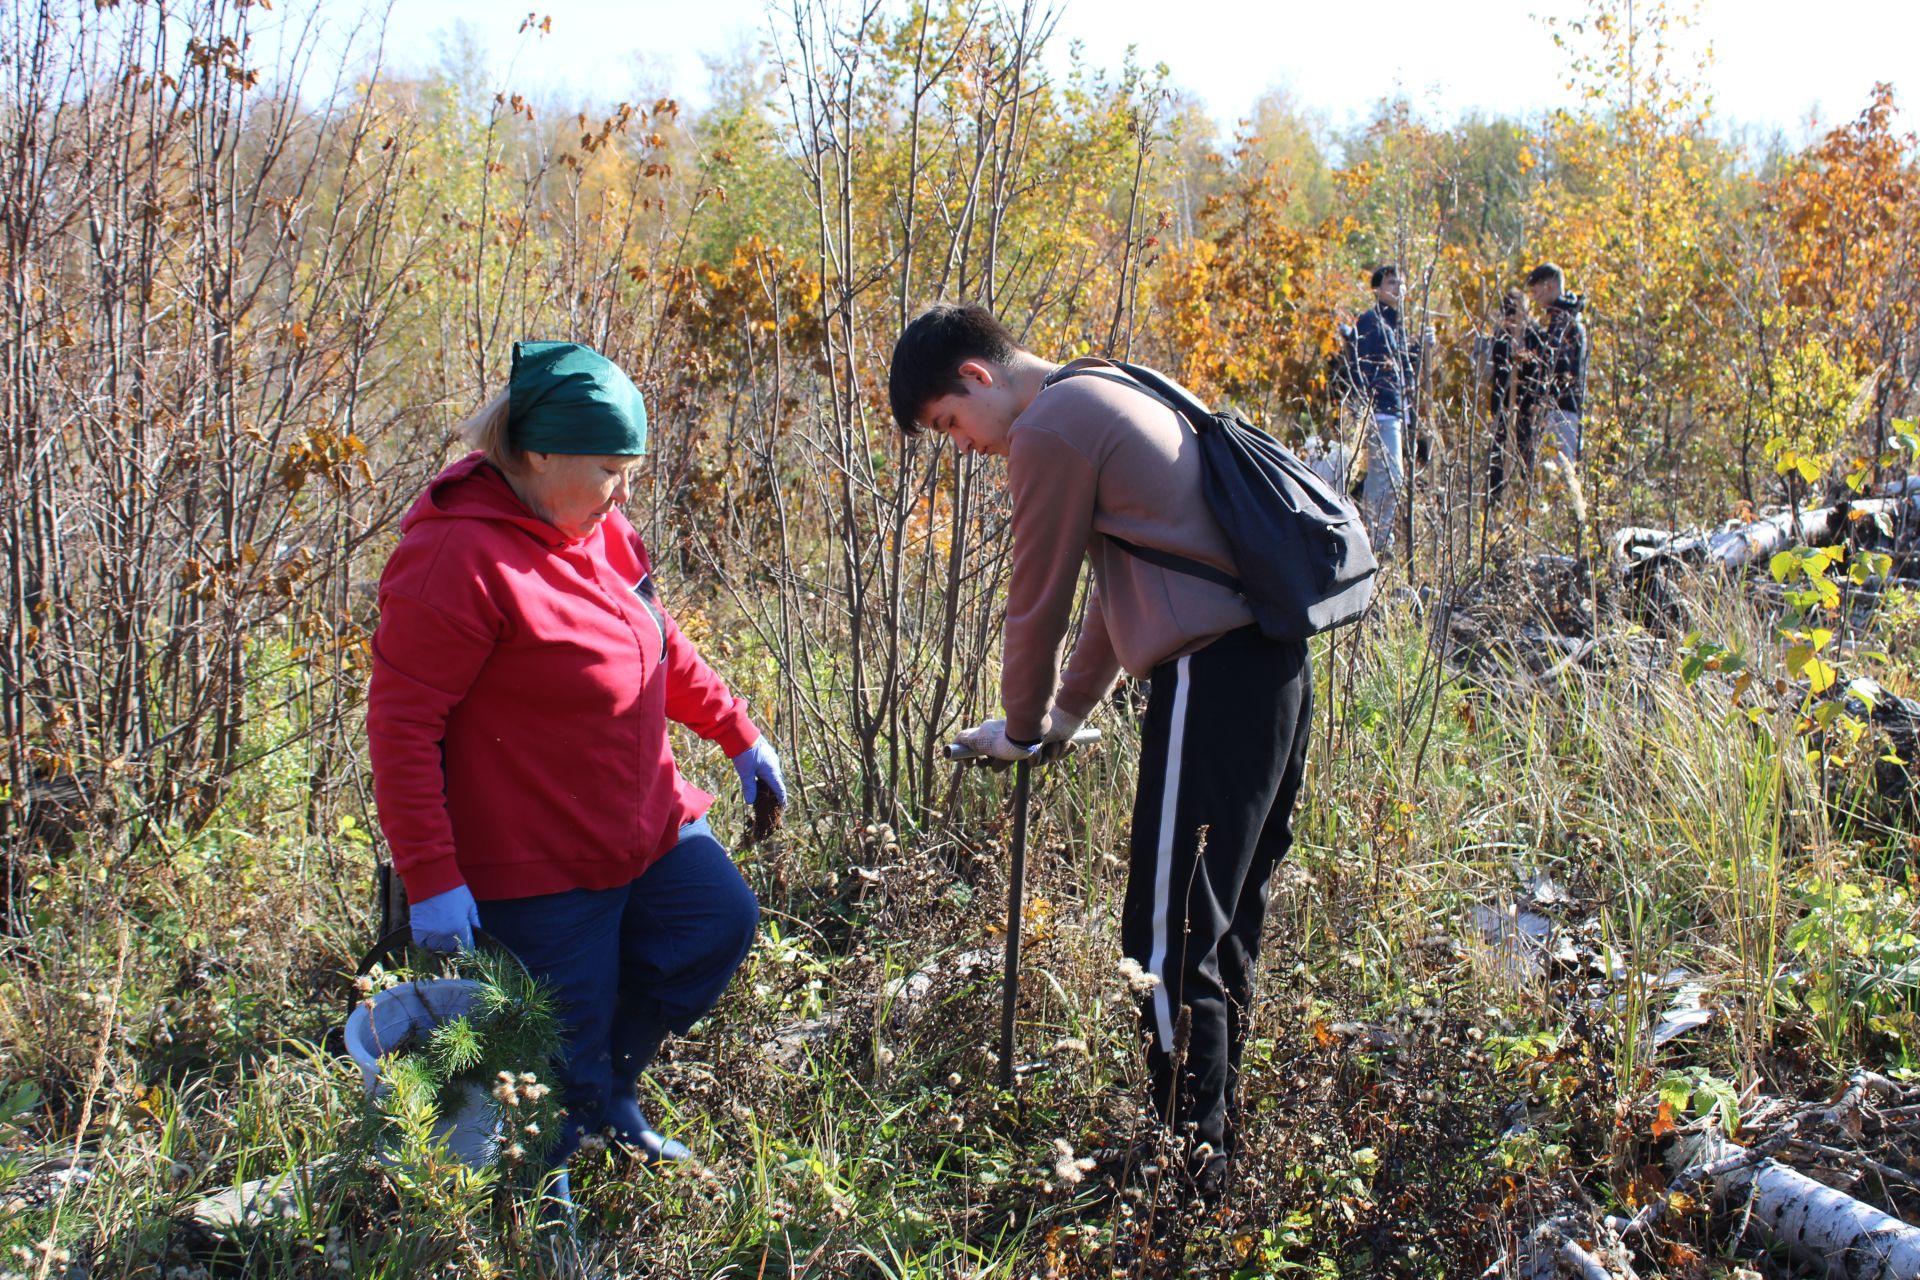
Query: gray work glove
x: 1058, y: 740
x: 990, y: 740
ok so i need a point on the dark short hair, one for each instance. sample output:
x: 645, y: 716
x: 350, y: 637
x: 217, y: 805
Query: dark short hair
x: 1546, y: 271
x: 1381, y: 272
x: 928, y: 355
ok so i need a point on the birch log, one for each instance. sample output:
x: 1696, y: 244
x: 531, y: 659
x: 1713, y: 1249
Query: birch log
x: 1820, y: 1225
x: 1739, y: 545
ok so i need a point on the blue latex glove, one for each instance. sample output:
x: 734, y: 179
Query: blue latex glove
x: 756, y: 764
x: 446, y: 921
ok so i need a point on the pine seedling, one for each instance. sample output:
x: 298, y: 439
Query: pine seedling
x: 501, y: 1046
x: 456, y: 1048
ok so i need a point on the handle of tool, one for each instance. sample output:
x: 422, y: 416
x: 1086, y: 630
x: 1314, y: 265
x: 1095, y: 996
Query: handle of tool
x: 1016, y: 902
x: 958, y: 751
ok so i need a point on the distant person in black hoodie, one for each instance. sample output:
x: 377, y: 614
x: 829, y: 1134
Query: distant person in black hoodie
x: 1389, y: 372
x: 1513, y: 396
x: 1560, y: 347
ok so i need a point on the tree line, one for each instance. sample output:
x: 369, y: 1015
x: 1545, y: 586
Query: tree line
x: 242, y: 304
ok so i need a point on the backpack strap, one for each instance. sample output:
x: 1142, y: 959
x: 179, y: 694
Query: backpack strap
x: 1179, y: 564
x: 1169, y: 560
x: 1095, y: 371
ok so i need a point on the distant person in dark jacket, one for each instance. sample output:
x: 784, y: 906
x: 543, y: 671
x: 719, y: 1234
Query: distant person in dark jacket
x: 1560, y: 347
x: 1513, y: 395
x: 1388, y: 374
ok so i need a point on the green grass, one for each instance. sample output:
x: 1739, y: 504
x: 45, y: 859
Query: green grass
x: 879, y: 1145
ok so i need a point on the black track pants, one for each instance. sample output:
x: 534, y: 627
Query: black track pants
x: 1222, y: 756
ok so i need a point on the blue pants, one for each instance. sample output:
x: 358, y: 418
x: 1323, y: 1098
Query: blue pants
x: 631, y: 965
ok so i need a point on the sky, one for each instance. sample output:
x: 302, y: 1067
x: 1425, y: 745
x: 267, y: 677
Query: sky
x: 1777, y: 63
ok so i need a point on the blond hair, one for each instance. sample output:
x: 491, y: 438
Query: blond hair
x: 487, y: 431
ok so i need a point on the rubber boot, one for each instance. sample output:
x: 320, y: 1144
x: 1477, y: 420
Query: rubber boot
x: 556, y: 1200
x: 623, y: 1115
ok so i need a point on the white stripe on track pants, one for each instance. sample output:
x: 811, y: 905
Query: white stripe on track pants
x: 1223, y: 752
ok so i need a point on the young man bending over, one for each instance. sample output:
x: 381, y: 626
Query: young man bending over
x: 1092, y: 466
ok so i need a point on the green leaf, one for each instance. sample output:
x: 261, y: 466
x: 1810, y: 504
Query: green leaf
x: 1676, y: 1089
x: 1721, y: 1094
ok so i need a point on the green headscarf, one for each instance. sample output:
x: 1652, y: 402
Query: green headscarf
x: 566, y: 398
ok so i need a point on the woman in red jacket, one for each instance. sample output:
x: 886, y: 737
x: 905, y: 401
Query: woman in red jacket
x: 523, y: 676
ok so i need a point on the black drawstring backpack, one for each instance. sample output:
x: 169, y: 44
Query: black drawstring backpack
x: 1304, y: 560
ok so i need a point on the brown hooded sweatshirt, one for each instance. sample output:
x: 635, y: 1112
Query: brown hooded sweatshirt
x: 1089, y: 458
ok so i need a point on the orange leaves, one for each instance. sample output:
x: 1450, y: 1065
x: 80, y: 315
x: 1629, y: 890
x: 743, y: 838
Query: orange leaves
x: 736, y: 312
x: 1248, y: 305
x: 223, y: 57
x: 327, y: 455
x: 623, y: 115
x: 1845, y: 205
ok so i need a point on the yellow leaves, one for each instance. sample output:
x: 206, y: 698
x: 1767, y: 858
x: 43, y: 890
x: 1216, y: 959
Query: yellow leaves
x: 1804, y: 662
x: 932, y: 520
x: 1036, y: 920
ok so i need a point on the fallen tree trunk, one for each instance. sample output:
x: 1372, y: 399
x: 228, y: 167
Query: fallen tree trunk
x: 1820, y: 1225
x: 1739, y: 545
x: 1552, y: 1252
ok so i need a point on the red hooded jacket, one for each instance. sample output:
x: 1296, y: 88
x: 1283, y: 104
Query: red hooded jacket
x: 522, y: 683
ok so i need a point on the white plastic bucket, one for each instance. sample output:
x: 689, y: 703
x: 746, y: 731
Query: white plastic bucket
x: 405, y: 1015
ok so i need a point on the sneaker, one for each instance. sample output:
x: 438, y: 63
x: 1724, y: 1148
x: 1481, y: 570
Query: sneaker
x: 1211, y: 1177
x: 1205, y: 1175
x: 1140, y: 1157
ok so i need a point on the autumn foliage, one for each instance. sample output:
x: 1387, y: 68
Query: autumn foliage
x: 244, y: 323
